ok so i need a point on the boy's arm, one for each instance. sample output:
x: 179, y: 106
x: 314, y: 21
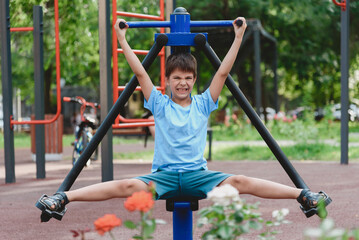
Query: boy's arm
x: 227, y: 63
x: 135, y: 64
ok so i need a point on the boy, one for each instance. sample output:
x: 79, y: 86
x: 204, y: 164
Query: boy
x: 179, y: 168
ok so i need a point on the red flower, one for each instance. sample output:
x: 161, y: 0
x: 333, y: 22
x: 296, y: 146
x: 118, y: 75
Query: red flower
x: 106, y: 223
x: 141, y: 201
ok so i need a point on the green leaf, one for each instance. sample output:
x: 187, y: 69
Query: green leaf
x: 129, y: 224
x: 149, y: 227
x: 238, y: 216
x: 255, y: 225
x: 225, y: 232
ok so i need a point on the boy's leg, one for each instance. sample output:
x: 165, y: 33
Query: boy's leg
x: 97, y: 192
x: 107, y: 190
x: 267, y: 189
x: 262, y: 188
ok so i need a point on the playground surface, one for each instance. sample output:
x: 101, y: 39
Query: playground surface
x: 20, y: 219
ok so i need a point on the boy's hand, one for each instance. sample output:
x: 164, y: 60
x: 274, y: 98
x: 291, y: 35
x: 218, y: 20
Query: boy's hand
x: 239, y: 30
x: 121, y: 33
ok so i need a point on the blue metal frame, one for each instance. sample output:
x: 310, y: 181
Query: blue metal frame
x: 180, y: 25
x: 182, y: 221
x: 170, y: 24
x: 181, y: 39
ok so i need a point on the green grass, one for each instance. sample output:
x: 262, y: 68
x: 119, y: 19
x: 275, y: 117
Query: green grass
x: 316, y: 151
x: 299, y: 131
x: 23, y: 140
x: 144, y: 155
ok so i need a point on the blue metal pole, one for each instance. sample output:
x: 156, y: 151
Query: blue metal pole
x: 182, y: 221
x: 160, y: 24
x: 224, y: 23
x: 149, y: 24
x: 180, y: 22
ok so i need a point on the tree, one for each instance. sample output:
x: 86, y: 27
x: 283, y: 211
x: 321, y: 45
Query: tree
x: 79, y: 43
x: 78, y: 24
x: 308, y: 35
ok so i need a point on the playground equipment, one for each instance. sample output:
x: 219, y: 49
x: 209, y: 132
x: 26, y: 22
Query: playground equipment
x: 122, y: 122
x: 39, y: 86
x: 180, y: 39
x: 344, y: 70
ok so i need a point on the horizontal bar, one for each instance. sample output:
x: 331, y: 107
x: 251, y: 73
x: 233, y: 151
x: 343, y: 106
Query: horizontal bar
x: 151, y: 24
x: 132, y: 125
x: 140, y: 52
x: 222, y: 23
x: 134, y: 120
x: 22, y: 29
x: 139, y: 15
x: 121, y: 88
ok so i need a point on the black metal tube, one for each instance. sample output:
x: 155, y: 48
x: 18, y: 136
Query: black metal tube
x: 344, y: 84
x: 113, y: 113
x: 9, y: 154
x: 257, y: 68
x: 256, y: 121
x: 39, y: 91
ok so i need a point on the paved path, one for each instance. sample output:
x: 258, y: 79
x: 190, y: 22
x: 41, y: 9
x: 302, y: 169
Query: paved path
x: 20, y: 219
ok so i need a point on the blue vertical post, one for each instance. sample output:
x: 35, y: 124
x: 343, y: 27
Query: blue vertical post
x: 180, y: 22
x: 182, y: 213
x: 182, y: 221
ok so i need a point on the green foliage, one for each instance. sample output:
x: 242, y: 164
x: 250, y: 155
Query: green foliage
x: 327, y: 229
x: 302, y: 140
x: 78, y: 26
x: 308, y: 42
x: 229, y: 217
x: 308, y: 35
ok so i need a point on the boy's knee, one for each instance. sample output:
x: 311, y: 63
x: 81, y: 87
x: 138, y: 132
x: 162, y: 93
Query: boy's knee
x: 238, y: 180
x: 132, y: 185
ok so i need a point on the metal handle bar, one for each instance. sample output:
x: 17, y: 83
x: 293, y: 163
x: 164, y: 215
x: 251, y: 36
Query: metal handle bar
x: 160, y: 24
x: 81, y: 101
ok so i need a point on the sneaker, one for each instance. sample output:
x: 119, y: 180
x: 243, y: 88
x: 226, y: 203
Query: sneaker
x: 53, y: 206
x: 309, y: 201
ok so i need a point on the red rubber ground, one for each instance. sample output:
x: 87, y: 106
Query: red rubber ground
x: 20, y: 219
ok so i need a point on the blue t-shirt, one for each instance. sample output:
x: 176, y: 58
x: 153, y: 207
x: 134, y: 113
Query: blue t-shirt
x: 180, y: 136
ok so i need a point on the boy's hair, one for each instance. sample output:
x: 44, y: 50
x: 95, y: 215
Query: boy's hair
x: 185, y: 62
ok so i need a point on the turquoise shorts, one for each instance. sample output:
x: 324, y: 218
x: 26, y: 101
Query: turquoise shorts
x: 195, y: 184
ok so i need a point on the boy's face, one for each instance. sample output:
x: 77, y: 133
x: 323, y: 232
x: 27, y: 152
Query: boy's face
x: 181, y: 85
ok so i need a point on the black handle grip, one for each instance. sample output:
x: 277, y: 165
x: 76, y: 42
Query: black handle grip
x: 122, y: 25
x: 239, y: 23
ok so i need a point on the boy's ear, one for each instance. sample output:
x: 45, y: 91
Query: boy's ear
x: 167, y: 81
